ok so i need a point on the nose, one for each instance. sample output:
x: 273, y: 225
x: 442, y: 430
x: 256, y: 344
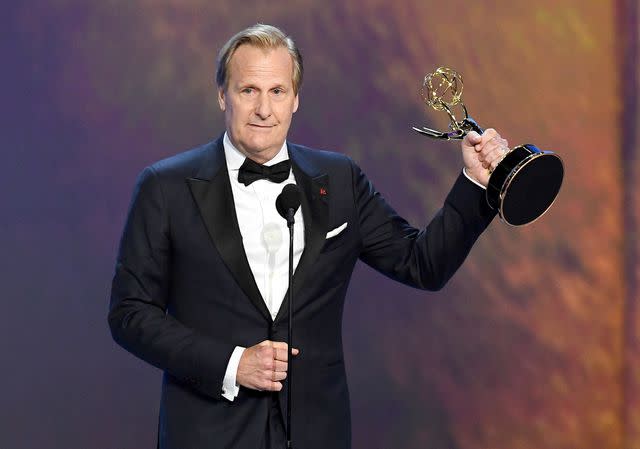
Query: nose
x: 263, y: 106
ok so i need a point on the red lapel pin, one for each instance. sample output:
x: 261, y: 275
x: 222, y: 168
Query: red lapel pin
x: 323, y: 191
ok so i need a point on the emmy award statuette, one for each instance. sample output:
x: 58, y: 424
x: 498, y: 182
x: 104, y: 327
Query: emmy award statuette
x: 525, y: 183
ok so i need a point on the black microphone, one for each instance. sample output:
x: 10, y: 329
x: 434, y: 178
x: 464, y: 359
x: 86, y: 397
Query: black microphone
x: 288, y: 202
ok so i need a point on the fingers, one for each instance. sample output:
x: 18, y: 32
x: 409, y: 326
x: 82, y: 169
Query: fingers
x: 492, y: 149
x: 275, y: 376
x: 472, y: 139
x: 487, y: 135
x: 271, y: 386
x: 279, y: 366
x: 264, y: 366
x: 277, y: 350
x: 493, y: 152
x: 283, y: 353
x: 266, y: 384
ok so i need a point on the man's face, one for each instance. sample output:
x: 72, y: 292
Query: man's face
x: 259, y: 100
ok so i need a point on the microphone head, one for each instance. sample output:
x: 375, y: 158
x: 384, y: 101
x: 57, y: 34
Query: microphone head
x: 288, y: 199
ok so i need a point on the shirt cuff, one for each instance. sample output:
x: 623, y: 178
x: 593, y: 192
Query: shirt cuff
x: 230, y: 388
x: 464, y: 172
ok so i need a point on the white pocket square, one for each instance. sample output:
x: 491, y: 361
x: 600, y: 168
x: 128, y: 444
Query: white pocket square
x: 337, y: 230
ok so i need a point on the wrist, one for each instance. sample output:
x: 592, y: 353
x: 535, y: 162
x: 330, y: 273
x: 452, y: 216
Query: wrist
x: 472, y: 178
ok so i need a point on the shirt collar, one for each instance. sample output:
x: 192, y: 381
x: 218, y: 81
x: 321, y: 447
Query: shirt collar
x: 235, y: 158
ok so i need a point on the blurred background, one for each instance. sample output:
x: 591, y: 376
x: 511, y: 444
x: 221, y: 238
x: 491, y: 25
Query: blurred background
x: 533, y: 344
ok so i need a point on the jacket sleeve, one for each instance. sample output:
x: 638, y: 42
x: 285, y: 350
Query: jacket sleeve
x: 139, y: 298
x: 425, y: 258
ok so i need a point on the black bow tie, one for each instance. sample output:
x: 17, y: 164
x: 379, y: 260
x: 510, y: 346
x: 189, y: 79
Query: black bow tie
x: 252, y: 171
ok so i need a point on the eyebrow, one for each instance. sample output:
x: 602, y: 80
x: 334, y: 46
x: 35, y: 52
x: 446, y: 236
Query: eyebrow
x: 254, y: 86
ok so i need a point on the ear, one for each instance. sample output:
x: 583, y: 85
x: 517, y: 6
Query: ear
x: 295, y: 103
x: 221, y: 99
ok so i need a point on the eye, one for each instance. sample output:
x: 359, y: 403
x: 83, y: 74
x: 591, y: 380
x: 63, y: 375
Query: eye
x: 247, y: 90
x: 278, y: 91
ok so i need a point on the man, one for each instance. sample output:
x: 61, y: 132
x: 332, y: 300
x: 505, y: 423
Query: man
x: 202, y: 269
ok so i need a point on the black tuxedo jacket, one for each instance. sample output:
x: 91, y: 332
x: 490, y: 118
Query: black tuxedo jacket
x: 183, y: 295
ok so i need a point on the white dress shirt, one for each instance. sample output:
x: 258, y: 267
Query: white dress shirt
x: 265, y: 238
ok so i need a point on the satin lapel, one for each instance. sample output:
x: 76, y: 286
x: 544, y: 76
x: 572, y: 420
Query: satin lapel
x: 315, y: 211
x: 211, y: 190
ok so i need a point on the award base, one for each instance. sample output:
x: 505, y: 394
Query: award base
x: 525, y: 184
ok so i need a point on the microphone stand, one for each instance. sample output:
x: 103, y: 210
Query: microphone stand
x: 290, y: 223
x: 287, y: 203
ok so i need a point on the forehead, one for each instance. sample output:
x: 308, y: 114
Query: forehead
x: 254, y: 64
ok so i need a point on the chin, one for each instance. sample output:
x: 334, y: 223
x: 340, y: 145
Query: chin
x: 260, y: 145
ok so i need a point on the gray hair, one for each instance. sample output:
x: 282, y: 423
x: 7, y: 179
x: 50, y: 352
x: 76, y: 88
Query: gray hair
x: 261, y: 36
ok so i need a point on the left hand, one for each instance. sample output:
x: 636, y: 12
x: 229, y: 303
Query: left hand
x: 483, y: 153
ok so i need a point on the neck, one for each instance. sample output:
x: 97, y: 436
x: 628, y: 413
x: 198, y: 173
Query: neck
x: 260, y: 158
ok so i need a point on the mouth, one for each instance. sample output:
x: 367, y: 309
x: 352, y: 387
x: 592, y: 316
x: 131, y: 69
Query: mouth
x: 260, y: 126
